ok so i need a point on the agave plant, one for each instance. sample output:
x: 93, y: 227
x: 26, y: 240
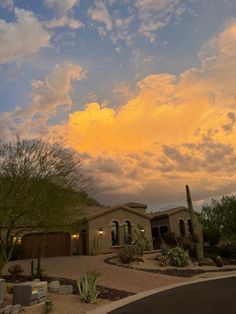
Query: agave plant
x: 87, y: 287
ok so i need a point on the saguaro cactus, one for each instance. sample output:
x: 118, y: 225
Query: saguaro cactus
x: 195, y: 227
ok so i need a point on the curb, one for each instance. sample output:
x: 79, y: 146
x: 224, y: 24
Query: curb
x: 117, y: 304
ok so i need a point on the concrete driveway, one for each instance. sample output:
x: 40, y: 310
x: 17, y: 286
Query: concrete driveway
x: 209, y: 297
x: 111, y: 276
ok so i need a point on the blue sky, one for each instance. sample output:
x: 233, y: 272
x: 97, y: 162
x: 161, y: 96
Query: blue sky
x: 112, y: 54
x: 67, y: 66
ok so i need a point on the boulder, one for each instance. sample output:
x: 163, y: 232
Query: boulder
x: 11, y: 309
x: 65, y: 289
x: 206, y: 262
x: 219, y: 261
x: 54, y: 286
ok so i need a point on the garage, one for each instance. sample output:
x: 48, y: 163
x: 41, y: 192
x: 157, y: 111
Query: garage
x: 54, y: 244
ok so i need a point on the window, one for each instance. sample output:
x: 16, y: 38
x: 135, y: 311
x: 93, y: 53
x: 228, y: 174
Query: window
x: 190, y: 227
x: 181, y: 228
x: 115, y: 233
x: 128, y: 232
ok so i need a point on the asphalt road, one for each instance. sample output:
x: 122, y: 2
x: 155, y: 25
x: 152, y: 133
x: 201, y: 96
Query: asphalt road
x: 209, y: 297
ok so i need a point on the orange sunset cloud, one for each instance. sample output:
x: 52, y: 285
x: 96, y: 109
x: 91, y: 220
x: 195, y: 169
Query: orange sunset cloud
x: 175, y: 130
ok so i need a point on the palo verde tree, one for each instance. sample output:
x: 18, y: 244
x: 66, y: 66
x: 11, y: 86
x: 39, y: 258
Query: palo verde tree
x: 219, y: 218
x: 41, y: 186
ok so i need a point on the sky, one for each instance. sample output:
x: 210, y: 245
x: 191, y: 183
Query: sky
x: 144, y: 90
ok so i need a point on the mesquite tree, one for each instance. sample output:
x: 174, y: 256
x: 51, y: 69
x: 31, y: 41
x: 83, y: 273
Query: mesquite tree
x: 41, y: 186
x: 197, y: 237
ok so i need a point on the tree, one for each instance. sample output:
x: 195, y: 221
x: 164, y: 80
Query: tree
x: 220, y: 217
x: 197, y: 238
x: 41, y: 186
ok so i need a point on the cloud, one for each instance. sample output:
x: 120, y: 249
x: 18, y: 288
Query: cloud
x: 177, y: 129
x: 55, y: 90
x: 156, y: 14
x: 99, y: 13
x: 18, y: 38
x: 47, y: 97
x: 62, y: 22
x: 62, y: 7
x: 7, y: 4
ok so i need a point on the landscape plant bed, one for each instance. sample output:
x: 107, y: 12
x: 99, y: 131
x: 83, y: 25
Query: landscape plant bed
x: 178, y: 272
x: 105, y: 292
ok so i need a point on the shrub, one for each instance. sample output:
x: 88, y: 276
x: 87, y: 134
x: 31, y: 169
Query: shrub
x: 141, y: 242
x: 15, y: 270
x: 219, y: 261
x: 170, y: 239
x: 87, y: 287
x: 163, y: 260
x: 128, y: 253
x: 95, y: 247
x: 47, y: 307
x: 164, y: 249
x: 139, y: 259
x: 178, y: 257
x: 9, y: 289
x: 211, y: 236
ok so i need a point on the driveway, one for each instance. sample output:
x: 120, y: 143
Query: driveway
x: 120, y: 278
x: 209, y: 297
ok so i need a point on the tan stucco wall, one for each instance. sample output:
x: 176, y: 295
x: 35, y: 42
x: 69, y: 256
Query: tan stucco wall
x: 174, y: 222
x: 105, y: 222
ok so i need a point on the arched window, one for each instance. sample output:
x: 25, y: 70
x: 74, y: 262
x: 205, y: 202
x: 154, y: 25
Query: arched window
x: 115, y: 233
x: 128, y: 232
x: 190, y: 227
x: 181, y: 228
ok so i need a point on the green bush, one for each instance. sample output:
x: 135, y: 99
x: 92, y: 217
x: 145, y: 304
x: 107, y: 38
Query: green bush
x: 178, y: 257
x: 47, y: 307
x: 128, y: 253
x: 211, y: 236
x: 95, y: 247
x: 164, y: 249
x: 87, y: 287
x: 141, y: 242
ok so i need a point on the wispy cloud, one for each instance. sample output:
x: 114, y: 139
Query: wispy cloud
x: 99, y: 13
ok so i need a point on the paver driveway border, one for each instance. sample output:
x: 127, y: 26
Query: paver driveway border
x: 117, y: 304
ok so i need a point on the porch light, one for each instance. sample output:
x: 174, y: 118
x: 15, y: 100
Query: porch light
x: 142, y: 230
x: 100, y: 231
x: 75, y: 236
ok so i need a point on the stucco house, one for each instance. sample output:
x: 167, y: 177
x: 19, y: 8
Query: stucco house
x: 109, y: 228
x: 106, y: 229
x: 176, y: 220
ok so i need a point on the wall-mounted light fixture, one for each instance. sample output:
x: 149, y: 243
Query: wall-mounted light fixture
x: 100, y: 231
x: 17, y: 240
x: 75, y: 236
x: 142, y: 230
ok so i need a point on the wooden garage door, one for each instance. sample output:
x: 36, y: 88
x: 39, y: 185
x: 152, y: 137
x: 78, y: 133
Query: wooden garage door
x: 56, y: 244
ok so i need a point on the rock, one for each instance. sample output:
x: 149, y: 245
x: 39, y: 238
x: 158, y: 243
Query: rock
x: 206, y: 262
x: 65, y: 289
x: 11, y: 309
x: 232, y: 261
x: 219, y: 261
x: 16, y: 309
x: 54, y: 286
